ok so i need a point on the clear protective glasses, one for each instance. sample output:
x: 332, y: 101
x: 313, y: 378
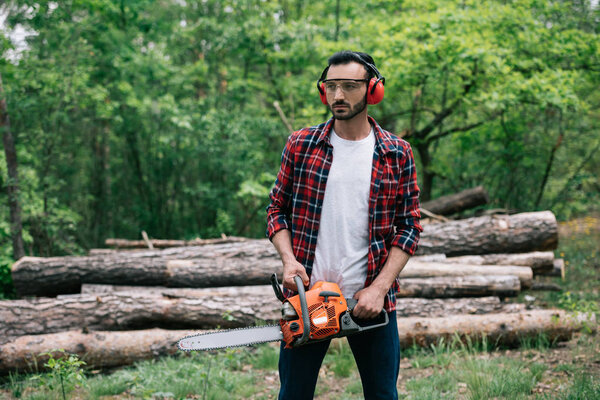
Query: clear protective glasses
x: 347, y: 85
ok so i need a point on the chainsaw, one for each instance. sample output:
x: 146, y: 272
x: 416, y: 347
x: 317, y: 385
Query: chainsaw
x: 314, y: 315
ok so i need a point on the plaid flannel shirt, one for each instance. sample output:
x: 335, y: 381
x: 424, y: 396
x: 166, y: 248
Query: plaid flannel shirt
x: 297, y: 197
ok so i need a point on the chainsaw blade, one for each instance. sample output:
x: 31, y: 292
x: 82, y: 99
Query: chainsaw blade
x: 231, y: 338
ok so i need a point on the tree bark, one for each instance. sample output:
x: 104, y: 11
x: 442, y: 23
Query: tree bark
x: 105, y: 307
x: 12, y: 186
x: 97, y: 349
x: 110, y: 349
x: 460, y: 286
x: 519, y: 233
x: 454, y: 203
x: 405, y: 306
x: 540, y: 262
x: 432, y: 269
x: 499, y: 329
x: 166, y: 243
x: 251, y: 262
x: 558, y: 269
x: 224, y: 308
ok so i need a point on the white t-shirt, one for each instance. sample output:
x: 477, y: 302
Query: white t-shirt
x: 342, y: 250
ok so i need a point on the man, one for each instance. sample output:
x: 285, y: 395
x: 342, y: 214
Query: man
x: 345, y: 209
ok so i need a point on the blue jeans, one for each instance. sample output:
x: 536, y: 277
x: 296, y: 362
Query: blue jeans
x: 377, y: 356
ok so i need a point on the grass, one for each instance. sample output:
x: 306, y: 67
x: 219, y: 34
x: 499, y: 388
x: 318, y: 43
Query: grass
x: 447, y: 370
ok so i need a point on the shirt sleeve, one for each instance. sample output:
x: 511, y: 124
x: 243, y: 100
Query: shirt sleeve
x: 408, y: 216
x: 279, y: 209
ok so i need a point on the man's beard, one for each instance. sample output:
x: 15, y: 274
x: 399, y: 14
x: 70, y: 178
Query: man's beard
x: 357, y: 109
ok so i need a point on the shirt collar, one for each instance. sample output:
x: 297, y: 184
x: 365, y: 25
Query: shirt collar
x: 382, y: 138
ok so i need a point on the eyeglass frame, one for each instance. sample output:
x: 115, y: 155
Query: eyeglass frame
x: 343, y: 79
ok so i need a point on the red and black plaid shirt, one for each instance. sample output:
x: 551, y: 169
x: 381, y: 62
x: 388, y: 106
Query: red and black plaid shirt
x: 297, y: 197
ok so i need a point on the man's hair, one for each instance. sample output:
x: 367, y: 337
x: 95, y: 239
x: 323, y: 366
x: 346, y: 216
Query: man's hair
x: 347, y: 56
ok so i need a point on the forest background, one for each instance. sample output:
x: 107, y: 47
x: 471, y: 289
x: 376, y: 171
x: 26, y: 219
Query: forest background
x: 169, y: 116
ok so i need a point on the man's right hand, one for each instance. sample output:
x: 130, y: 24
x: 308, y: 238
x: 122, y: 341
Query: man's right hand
x: 291, y: 269
x: 282, y: 241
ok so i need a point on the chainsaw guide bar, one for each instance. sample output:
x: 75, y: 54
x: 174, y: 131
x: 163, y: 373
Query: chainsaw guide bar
x: 231, y: 338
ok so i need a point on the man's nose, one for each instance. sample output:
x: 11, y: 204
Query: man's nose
x: 338, y: 94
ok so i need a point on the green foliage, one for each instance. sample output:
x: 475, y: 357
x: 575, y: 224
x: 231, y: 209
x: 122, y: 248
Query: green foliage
x: 340, y: 359
x: 6, y: 261
x: 266, y: 357
x: 583, y: 387
x: 65, y: 373
x: 159, y: 116
x: 571, y: 302
x: 578, y: 246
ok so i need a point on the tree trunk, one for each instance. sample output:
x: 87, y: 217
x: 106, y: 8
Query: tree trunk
x: 111, y: 349
x: 517, y: 233
x: 226, y: 308
x: 251, y: 262
x: 105, y: 307
x: 430, y: 270
x: 558, y: 269
x: 499, y: 329
x: 97, y: 349
x: 467, y: 199
x: 460, y: 286
x: 406, y: 306
x: 165, y: 243
x: 539, y: 261
x: 12, y: 186
x: 52, y: 276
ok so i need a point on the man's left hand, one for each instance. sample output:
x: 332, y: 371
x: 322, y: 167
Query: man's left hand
x: 370, y: 302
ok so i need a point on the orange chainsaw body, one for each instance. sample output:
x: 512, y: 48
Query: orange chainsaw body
x: 325, y: 304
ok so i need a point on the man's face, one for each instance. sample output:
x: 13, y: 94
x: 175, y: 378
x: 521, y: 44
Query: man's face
x: 346, y: 96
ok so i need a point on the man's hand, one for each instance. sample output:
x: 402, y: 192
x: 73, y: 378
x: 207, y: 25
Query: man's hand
x: 292, y: 268
x: 282, y: 241
x: 370, y: 302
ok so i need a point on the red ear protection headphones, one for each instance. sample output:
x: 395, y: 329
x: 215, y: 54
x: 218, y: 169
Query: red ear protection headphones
x: 375, y: 89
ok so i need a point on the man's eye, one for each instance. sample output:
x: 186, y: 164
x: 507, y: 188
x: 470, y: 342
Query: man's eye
x: 349, y: 86
x: 330, y: 86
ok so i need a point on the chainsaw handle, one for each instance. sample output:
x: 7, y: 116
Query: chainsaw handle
x: 304, y: 308
x: 277, y: 288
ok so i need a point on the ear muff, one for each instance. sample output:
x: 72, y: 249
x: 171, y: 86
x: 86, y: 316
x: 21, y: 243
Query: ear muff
x: 375, y: 91
x: 322, y: 93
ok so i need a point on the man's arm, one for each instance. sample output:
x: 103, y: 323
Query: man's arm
x: 278, y: 219
x: 282, y: 240
x: 371, y: 298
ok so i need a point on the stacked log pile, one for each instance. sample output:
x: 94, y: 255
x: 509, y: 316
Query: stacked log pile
x: 114, y: 307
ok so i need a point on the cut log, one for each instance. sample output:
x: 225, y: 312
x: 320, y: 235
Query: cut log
x: 546, y: 286
x: 498, y: 329
x: 126, y: 311
x: 519, y: 233
x: 460, y: 286
x: 64, y: 276
x: 110, y: 349
x: 220, y: 264
x: 406, y: 306
x: 97, y: 349
x: 105, y: 307
x: 454, y: 203
x: 558, y: 269
x: 539, y: 261
x: 191, y: 266
x: 165, y: 243
x: 433, y: 269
